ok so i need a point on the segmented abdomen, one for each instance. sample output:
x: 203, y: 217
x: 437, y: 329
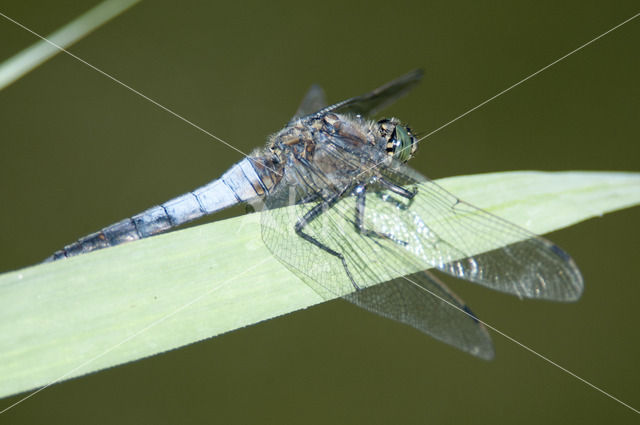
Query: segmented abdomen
x: 249, y: 179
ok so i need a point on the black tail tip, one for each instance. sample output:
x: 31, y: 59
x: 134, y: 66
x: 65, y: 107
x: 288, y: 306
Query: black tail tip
x: 56, y: 256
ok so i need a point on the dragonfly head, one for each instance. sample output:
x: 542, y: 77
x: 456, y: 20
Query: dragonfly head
x: 400, y: 143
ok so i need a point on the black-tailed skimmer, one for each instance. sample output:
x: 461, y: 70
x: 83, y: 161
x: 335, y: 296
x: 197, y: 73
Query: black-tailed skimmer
x: 343, y: 211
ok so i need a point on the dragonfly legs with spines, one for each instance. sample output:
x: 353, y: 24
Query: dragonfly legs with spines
x: 360, y: 192
x: 311, y: 215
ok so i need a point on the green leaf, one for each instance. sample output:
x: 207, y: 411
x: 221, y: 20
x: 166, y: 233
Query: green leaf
x: 68, y: 318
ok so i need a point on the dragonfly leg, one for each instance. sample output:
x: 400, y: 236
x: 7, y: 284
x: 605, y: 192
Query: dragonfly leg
x: 310, y: 198
x: 311, y: 215
x: 361, y: 195
x: 398, y: 190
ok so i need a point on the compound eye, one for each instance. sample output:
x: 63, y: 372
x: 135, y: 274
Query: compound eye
x: 403, y: 143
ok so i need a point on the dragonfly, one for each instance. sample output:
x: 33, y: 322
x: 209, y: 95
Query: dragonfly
x: 343, y: 211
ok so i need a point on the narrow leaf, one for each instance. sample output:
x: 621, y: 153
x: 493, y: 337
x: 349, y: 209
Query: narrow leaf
x: 68, y: 318
x: 30, y: 58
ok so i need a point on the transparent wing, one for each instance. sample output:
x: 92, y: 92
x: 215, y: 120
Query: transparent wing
x: 435, y: 229
x: 378, y: 99
x: 312, y: 102
x: 426, y: 304
x: 456, y: 238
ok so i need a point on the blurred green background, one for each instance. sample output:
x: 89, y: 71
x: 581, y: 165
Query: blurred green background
x: 78, y: 152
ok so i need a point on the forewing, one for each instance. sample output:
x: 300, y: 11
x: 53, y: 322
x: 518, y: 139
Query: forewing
x: 467, y: 242
x: 426, y: 304
x: 370, y: 103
